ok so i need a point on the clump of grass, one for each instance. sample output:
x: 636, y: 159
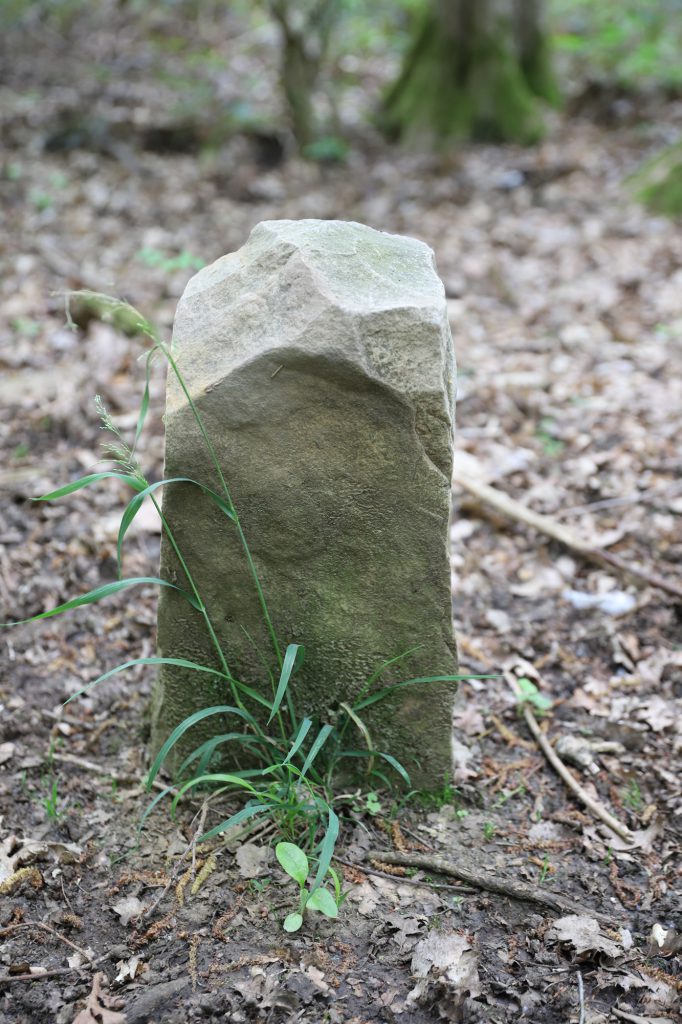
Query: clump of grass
x: 295, y: 758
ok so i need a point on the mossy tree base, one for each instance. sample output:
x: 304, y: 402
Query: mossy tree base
x: 473, y: 72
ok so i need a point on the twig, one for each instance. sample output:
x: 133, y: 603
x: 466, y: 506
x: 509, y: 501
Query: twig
x: 488, y: 881
x: 581, y: 997
x: 97, y: 769
x: 7, y: 979
x: 560, y: 768
x: 463, y: 889
x: 626, y: 499
x: 52, y: 931
x: 515, y: 510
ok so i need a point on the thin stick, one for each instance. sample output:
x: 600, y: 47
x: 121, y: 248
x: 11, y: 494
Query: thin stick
x: 490, y: 882
x: 551, y: 528
x: 98, y: 769
x: 46, y: 928
x: 581, y: 997
x: 7, y: 979
x: 560, y: 768
x: 627, y: 499
x: 463, y: 889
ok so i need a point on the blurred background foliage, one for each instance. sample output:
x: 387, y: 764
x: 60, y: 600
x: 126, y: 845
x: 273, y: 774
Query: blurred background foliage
x: 321, y: 76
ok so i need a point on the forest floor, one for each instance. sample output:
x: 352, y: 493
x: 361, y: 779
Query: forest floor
x: 566, y: 308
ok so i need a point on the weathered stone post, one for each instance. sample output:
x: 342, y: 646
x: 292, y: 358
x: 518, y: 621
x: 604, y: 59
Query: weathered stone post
x: 320, y: 358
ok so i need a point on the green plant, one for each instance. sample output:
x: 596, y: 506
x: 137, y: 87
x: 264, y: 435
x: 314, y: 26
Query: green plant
x: 488, y: 831
x: 545, y: 869
x: 294, y: 861
x: 373, y: 803
x: 447, y: 794
x: 41, y: 200
x: 183, y: 261
x: 326, y: 150
x: 508, y: 795
x: 632, y: 797
x: 295, y: 759
x: 50, y: 802
x: 529, y: 694
x: 259, y: 885
x: 628, y: 41
x: 545, y: 434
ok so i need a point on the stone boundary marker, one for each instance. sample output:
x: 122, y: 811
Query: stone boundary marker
x: 320, y: 358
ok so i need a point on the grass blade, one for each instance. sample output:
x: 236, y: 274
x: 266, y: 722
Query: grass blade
x: 230, y: 782
x: 303, y: 731
x: 378, y: 753
x: 180, y: 662
x: 246, y: 812
x: 327, y: 849
x: 104, y: 591
x: 152, y: 804
x: 144, y: 404
x: 181, y: 729
x: 135, y: 504
x: 381, y: 694
x: 391, y: 661
x: 85, y: 481
x: 292, y: 660
x: 253, y: 694
x: 358, y: 722
x: 316, y: 747
x: 204, y: 753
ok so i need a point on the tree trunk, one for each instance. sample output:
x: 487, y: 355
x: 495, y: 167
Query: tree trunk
x: 305, y: 27
x: 477, y: 69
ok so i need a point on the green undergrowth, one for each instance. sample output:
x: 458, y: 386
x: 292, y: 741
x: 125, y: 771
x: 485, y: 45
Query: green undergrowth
x: 293, y: 761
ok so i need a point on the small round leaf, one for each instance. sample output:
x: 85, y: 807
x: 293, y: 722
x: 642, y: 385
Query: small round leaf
x: 293, y: 860
x: 293, y: 922
x: 323, y: 901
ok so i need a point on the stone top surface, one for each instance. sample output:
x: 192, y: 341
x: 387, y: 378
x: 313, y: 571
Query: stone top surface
x: 357, y: 267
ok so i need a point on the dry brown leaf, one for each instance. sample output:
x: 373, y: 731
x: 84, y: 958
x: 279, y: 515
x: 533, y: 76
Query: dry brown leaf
x: 100, y: 1007
x: 583, y: 933
x: 444, y: 964
x: 128, y: 908
x: 252, y: 860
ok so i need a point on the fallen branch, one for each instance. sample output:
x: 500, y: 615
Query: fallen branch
x: 551, y: 528
x: 488, y: 881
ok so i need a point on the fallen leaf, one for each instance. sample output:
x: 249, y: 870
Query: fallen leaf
x: 7, y: 751
x: 583, y: 933
x: 252, y: 860
x: 664, y: 941
x: 127, y: 969
x: 638, y: 1019
x: 444, y: 965
x: 659, y: 714
x: 128, y: 908
x: 100, y: 1007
